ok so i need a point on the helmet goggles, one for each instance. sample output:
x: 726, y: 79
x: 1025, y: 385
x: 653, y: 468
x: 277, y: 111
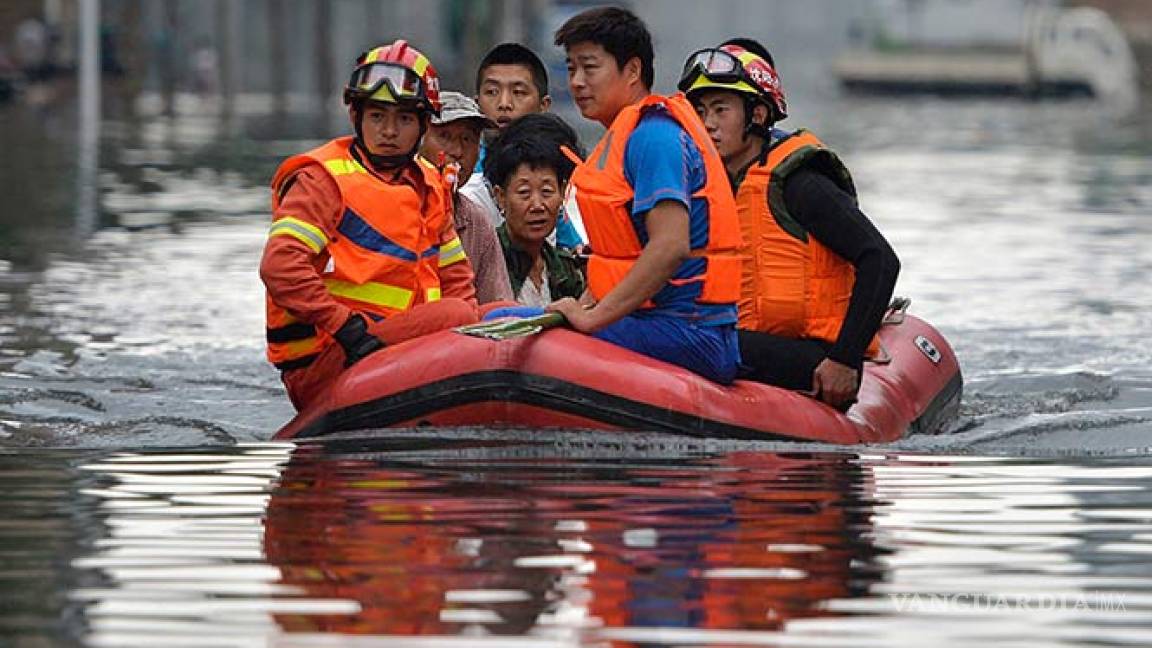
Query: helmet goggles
x: 715, y: 64
x: 402, y: 83
x: 730, y: 67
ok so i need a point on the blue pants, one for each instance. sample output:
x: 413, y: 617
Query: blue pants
x: 711, y: 351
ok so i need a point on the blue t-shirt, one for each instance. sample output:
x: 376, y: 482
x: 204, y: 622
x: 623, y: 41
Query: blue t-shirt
x: 661, y: 162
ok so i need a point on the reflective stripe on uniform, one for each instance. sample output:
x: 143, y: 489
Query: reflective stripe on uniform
x: 451, y: 252
x: 344, y: 166
x: 305, y: 232
x: 380, y: 294
x: 357, y: 230
x: 287, y: 351
x: 433, y: 294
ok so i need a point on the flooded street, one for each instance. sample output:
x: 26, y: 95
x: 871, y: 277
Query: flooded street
x: 1023, y: 229
x: 147, y: 508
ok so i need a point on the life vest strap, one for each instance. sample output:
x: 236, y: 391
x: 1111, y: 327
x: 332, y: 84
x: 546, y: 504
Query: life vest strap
x: 297, y: 363
x: 291, y: 333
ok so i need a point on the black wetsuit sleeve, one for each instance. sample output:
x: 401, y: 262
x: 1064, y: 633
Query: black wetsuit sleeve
x: 831, y: 216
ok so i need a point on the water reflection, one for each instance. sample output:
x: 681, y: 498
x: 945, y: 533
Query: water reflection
x: 498, y: 544
x: 36, y: 534
x: 178, y: 551
x: 573, y: 541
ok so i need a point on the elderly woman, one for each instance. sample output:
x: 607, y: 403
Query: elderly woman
x: 528, y: 172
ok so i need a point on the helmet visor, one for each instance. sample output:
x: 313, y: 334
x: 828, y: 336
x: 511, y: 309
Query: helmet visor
x: 403, y: 83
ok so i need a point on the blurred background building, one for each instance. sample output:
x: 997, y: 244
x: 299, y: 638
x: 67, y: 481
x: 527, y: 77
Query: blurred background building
x: 256, y: 56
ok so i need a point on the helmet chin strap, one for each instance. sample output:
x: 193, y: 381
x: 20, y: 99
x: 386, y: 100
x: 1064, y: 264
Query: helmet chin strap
x: 385, y: 162
x: 763, y: 131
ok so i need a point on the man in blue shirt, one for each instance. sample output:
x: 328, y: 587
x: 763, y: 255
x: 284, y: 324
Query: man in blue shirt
x: 654, y: 200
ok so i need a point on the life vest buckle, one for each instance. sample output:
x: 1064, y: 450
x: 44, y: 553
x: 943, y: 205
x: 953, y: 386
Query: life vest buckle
x: 896, y: 311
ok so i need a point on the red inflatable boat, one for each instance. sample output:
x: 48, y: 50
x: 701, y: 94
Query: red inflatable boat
x: 562, y: 379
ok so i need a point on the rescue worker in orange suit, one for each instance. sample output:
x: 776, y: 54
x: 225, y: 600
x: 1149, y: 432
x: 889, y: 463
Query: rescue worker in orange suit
x: 664, y: 274
x: 818, y: 275
x: 362, y: 252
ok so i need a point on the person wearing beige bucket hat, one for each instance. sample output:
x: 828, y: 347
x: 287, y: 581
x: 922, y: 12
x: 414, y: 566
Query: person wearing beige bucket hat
x: 453, y: 145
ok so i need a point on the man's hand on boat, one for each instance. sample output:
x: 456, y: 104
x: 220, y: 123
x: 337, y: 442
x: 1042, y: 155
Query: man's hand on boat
x: 580, y: 317
x: 835, y: 384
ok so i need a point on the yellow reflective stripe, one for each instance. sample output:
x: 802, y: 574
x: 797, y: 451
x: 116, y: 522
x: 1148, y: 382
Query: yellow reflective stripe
x: 291, y: 350
x: 420, y: 65
x: 342, y: 166
x: 432, y: 295
x: 379, y: 294
x: 451, y: 252
x: 307, y: 233
x: 372, y: 56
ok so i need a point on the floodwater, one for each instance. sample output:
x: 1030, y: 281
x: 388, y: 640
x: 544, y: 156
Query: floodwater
x: 563, y: 541
x: 146, y: 506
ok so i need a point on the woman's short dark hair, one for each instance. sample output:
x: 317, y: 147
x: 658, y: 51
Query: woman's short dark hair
x: 534, y: 139
x: 515, y: 54
x: 619, y: 31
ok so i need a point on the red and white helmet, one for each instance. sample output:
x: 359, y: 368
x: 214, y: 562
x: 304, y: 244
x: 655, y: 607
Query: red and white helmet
x: 731, y: 67
x: 396, y: 73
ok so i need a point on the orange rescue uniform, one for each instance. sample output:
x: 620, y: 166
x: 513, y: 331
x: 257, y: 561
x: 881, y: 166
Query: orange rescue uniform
x: 347, y: 240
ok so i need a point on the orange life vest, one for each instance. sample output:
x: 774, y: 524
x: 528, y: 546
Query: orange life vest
x: 603, y: 196
x: 792, y: 285
x: 385, y: 258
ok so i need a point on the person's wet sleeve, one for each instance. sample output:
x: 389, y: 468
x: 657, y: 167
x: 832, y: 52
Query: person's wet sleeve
x: 832, y: 216
x: 297, y: 241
